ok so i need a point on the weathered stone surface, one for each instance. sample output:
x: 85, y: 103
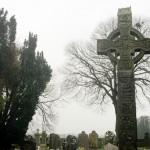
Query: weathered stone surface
x: 54, y: 141
x: 110, y: 146
x: 71, y: 142
x: 83, y: 140
x: 93, y: 140
x: 44, y: 135
x: 109, y: 138
x: 37, y: 138
x: 122, y: 42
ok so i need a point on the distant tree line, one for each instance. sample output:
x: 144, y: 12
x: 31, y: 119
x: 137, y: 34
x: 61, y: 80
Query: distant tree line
x: 143, y: 126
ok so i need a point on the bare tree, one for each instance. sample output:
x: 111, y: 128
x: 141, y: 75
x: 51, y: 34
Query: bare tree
x: 92, y: 78
x: 45, y: 117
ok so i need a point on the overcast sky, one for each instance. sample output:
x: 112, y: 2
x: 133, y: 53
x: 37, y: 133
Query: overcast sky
x: 58, y: 22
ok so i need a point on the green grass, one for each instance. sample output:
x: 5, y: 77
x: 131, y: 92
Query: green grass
x: 138, y: 149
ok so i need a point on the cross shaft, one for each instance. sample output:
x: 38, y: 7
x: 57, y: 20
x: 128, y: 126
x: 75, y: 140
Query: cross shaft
x: 125, y: 41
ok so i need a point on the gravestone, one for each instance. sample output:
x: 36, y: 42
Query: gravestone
x: 37, y: 138
x: 71, y: 142
x: 54, y: 141
x: 123, y: 42
x: 43, y: 145
x: 93, y: 140
x: 109, y: 137
x: 110, y: 146
x: 64, y: 145
x: 44, y: 135
x: 147, y: 140
x: 83, y: 140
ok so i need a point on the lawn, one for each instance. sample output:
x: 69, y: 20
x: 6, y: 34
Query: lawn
x: 138, y: 149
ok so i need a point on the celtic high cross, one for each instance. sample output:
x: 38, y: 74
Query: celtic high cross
x: 125, y: 41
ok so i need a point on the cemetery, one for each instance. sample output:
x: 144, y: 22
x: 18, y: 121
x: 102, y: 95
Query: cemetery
x: 84, y: 141
x: 125, y: 41
x: 124, y: 47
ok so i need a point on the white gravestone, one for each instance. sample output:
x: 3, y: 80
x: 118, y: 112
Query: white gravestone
x: 110, y: 146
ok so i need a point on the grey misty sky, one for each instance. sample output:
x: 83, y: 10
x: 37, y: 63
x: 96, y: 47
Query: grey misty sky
x: 58, y: 22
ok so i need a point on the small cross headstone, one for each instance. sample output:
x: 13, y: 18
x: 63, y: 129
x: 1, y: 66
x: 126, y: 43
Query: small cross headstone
x: 44, y: 135
x: 37, y: 138
x: 124, y: 42
x: 43, y: 145
x: 93, y: 140
x: 83, y: 140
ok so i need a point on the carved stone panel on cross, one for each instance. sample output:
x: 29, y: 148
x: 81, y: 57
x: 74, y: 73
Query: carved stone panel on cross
x: 125, y: 46
x: 125, y: 40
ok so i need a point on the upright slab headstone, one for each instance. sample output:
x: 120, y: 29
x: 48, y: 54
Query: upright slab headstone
x: 71, y: 142
x: 93, y: 140
x: 125, y: 41
x: 83, y: 140
x: 54, y: 141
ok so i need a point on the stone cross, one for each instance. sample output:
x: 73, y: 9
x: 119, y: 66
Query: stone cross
x: 44, y: 135
x: 125, y: 41
x: 37, y: 138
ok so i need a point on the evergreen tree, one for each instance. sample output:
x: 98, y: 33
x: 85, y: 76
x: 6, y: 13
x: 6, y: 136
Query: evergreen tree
x: 23, y: 78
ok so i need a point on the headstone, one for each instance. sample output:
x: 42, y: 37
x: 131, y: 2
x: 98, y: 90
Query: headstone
x: 64, y: 145
x: 124, y: 41
x: 71, y: 142
x: 54, y: 141
x: 37, y: 138
x: 146, y: 140
x: 93, y: 140
x: 43, y: 145
x: 44, y: 135
x: 109, y: 137
x: 110, y: 146
x: 83, y: 140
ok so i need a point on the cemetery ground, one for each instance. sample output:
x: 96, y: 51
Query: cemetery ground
x: 138, y: 148
x: 120, y: 39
